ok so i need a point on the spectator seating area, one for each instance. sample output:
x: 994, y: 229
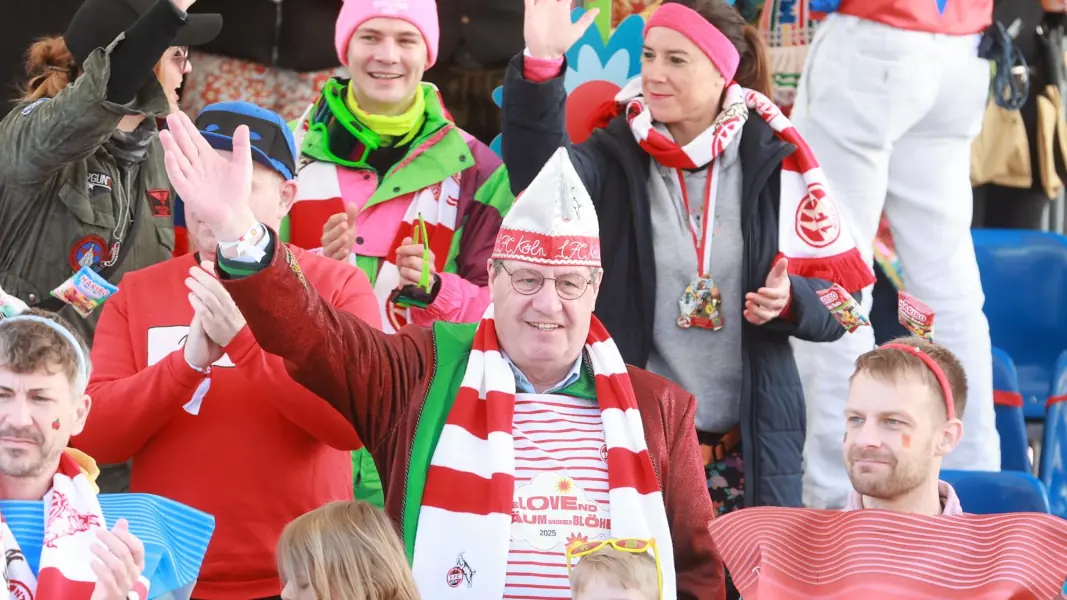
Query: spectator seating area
x: 1019, y: 267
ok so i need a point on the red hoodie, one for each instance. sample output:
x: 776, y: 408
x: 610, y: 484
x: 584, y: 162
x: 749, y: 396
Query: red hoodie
x: 958, y: 17
x: 261, y: 452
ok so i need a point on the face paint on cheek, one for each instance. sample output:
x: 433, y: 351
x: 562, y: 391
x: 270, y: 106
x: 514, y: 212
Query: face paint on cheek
x: 905, y: 440
x: 55, y: 425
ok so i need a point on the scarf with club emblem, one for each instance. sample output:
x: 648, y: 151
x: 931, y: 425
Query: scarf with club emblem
x: 467, y: 503
x: 71, y: 523
x: 812, y: 234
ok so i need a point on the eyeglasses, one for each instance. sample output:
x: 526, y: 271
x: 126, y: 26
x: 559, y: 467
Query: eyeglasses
x: 180, y: 55
x: 528, y: 282
x: 630, y: 545
x: 345, y: 141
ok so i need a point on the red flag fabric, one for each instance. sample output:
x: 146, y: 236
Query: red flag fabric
x: 786, y: 553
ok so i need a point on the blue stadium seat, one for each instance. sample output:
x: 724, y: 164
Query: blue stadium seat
x: 1059, y: 380
x: 992, y: 492
x: 1014, y: 447
x: 1053, y: 468
x: 1024, y: 276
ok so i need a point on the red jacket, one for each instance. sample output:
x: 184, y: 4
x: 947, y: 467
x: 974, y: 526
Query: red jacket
x: 379, y: 383
x: 960, y: 17
x: 263, y: 449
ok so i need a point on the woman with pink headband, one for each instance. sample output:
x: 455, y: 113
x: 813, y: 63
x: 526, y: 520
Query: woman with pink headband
x: 717, y: 225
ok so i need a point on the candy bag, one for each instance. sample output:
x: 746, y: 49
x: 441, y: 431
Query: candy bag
x: 915, y: 316
x: 85, y: 290
x: 843, y: 307
x: 10, y: 305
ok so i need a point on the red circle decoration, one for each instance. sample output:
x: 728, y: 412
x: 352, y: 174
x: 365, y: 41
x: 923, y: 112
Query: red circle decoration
x: 583, y: 102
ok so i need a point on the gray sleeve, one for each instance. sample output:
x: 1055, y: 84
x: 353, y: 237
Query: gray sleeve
x: 42, y: 137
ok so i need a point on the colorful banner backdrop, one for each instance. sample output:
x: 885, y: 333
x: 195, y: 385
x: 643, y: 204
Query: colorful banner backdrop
x: 596, y: 71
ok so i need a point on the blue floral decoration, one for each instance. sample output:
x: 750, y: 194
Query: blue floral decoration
x: 591, y: 59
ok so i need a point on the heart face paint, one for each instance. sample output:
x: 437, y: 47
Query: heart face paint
x: 905, y: 440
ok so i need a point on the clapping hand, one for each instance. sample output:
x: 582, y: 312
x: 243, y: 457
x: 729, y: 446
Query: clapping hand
x: 215, y: 310
x: 339, y: 233
x: 118, y: 562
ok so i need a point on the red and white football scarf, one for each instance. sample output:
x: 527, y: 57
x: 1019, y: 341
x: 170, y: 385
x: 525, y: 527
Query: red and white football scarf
x: 320, y: 195
x: 467, y: 505
x: 71, y: 523
x: 811, y: 231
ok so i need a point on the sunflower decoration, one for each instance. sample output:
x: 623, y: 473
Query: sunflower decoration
x: 565, y: 485
x: 576, y: 539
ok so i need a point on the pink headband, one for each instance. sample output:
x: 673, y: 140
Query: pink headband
x: 706, y: 36
x: 946, y: 389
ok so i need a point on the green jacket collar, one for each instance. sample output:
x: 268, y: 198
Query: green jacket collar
x: 437, y: 153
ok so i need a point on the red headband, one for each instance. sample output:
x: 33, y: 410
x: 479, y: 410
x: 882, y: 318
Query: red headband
x: 706, y: 36
x: 946, y: 389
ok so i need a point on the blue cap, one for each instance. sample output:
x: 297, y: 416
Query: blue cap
x: 272, y: 141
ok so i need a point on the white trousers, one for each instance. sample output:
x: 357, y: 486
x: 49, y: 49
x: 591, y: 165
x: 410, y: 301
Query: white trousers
x: 891, y: 114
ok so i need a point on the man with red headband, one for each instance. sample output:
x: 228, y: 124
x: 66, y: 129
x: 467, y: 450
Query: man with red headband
x: 903, y: 409
x: 902, y: 418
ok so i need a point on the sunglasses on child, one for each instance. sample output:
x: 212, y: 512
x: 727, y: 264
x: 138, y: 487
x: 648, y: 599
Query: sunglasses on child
x: 632, y: 545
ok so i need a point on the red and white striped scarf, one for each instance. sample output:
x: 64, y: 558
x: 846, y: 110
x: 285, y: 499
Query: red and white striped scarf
x: 467, y: 505
x: 811, y: 231
x: 71, y: 523
x: 437, y: 205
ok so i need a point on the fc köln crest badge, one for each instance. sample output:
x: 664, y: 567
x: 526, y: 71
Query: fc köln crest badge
x: 460, y: 573
x: 818, y: 222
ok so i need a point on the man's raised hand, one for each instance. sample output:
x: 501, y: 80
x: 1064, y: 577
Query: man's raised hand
x: 216, y: 185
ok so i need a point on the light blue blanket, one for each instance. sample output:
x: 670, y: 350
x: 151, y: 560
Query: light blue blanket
x: 175, y: 536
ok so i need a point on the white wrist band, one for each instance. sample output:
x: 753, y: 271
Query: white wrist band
x: 244, y: 244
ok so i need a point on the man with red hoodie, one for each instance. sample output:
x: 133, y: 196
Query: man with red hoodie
x: 181, y: 386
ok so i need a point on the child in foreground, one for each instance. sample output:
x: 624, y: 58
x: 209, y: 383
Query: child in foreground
x: 610, y: 574
x: 344, y: 551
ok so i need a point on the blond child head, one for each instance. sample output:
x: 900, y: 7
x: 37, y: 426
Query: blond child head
x: 609, y: 574
x: 344, y: 551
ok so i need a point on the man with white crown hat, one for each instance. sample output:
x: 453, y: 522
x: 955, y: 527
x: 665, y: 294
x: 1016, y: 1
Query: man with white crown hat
x: 500, y: 444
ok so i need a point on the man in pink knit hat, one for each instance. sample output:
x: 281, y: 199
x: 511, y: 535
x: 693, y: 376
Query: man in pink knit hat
x: 389, y: 184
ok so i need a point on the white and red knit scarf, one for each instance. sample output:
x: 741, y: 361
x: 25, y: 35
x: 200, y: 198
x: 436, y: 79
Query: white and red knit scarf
x: 467, y: 504
x: 71, y: 523
x: 811, y: 231
x: 321, y: 194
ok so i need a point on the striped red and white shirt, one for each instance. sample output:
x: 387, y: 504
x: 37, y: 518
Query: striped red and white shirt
x: 561, y: 491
